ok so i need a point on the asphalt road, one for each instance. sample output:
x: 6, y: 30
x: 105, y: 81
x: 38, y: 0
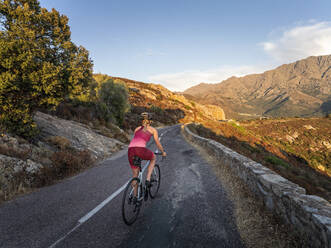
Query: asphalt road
x: 191, y: 210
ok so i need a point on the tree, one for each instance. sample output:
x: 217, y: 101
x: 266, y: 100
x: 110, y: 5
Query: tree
x: 114, y: 99
x: 39, y: 65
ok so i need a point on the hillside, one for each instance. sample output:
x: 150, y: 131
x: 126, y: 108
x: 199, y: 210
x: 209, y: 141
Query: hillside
x: 302, y: 88
x: 299, y: 149
x: 63, y: 148
x: 168, y: 107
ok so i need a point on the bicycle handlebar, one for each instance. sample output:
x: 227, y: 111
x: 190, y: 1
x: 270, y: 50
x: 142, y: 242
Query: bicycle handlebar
x: 159, y: 153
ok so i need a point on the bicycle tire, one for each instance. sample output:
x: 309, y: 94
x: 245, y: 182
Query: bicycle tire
x: 155, y: 181
x: 127, y: 204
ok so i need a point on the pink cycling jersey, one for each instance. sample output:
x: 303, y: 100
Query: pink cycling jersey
x: 140, y: 138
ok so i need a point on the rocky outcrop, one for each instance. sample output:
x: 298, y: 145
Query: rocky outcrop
x: 21, y: 161
x: 80, y: 136
x: 211, y: 111
x: 11, y: 168
x: 309, y: 214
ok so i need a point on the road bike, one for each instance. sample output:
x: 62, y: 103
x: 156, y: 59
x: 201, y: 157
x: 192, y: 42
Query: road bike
x: 136, y: 191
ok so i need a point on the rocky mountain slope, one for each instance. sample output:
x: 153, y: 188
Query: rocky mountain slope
x: 302, y: 88
x: 168, y: 107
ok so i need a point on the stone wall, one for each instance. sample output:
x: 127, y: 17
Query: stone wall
x: 309, y: 214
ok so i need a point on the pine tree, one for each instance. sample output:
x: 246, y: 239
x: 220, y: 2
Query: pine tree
x: 39, y: 64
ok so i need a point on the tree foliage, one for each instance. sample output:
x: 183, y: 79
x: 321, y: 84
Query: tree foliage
x: 113, y: 99
x: 39, y: 65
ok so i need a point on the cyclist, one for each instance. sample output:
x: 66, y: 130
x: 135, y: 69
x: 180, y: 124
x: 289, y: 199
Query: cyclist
x: 137, y: 146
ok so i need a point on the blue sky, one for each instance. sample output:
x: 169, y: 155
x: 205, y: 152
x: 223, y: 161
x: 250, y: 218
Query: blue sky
x: 182, y: 43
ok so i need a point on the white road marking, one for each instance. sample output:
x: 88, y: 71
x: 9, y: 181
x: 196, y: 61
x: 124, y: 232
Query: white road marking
x: 100, y: 206
x: 95, y: 210
x: 62, y: 238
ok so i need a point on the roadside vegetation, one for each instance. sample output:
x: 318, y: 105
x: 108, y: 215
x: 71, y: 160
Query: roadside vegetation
x: 299, y: 149
x: 41, y: 69
x: 257, y: 226
x: 39, y: 64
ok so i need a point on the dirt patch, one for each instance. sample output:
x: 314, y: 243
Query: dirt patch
x: 257, y: 226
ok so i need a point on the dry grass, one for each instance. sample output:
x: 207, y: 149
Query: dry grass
x: 257, y: 226
x: 112, y: 131
x: 60, y: 142
x: 17, y: 187
x: 65, y: 162
x: 12, y: 152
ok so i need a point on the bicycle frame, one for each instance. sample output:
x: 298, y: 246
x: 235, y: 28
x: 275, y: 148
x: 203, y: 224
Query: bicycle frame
x: 140, y: 177
x: 136, y: 192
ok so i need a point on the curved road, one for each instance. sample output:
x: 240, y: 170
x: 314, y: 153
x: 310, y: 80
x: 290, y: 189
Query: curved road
x: 191, y: 210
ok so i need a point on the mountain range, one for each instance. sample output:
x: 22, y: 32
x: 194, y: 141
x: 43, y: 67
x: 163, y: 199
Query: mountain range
x: 302, y: 88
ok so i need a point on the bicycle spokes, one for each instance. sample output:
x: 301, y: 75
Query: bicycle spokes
x: 155, y: 181
x: 130, y: 202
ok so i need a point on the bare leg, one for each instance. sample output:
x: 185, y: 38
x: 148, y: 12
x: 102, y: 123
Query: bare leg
x: 135, y: 173
x: 150, y: 169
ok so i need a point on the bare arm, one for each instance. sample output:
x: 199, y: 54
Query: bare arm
x: 157, y: 141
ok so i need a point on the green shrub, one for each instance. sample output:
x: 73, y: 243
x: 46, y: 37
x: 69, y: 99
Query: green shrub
x: 276, y: 161
x: 113, y: 101
x: 239, y: 128
x: 18, y: 120
x: 156, y: 109
x: 187, y: 107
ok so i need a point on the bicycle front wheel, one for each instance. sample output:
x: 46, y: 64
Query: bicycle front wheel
x: 155, y: 181
x: 130, y: 202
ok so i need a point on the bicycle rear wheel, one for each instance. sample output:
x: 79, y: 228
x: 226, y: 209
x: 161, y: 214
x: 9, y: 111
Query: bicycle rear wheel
x: 131, y: 206
x: 155, y: 181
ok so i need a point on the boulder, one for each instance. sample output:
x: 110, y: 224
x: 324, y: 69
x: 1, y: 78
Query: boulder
x: 80, y: 136
x: 11, y: 168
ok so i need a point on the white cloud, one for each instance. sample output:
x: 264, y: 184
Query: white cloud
x: 183, y: 80
x: 300, y: 42
x: 305, y: 39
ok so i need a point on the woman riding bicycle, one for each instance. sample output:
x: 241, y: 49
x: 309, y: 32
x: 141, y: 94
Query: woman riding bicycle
x: 137, y: 146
